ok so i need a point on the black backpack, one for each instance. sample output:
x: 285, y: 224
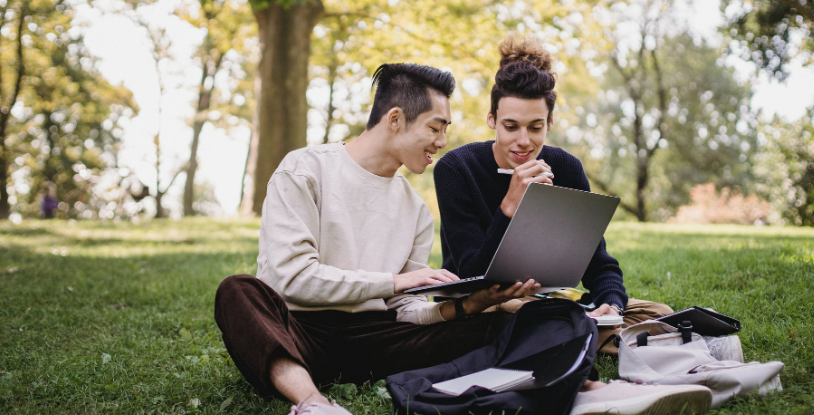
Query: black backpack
x: 552, y: 337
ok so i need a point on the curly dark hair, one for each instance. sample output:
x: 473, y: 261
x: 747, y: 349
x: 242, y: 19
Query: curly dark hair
x: 525, y: 72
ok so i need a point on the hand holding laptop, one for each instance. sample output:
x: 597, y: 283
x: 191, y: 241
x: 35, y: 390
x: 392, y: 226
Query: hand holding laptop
x: 477, y: 301
x: 482, y: 299
x: 569, y: 223
x: 529, y: 172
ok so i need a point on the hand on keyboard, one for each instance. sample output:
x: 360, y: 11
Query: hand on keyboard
x: 424, y: 276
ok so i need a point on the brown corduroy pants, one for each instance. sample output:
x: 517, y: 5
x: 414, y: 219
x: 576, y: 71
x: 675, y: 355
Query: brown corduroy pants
x: 257, y: 326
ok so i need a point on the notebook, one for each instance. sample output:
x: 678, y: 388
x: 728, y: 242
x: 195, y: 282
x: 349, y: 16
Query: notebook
x: 704, y: 322
x: 551, y: 238
x: 494, y: 379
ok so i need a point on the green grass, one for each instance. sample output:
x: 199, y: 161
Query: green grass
x: 117, y: 318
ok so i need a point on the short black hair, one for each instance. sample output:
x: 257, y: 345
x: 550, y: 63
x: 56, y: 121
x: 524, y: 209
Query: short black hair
x: 407, y: 86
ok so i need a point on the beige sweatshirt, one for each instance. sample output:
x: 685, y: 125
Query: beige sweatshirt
x: 333, y: 235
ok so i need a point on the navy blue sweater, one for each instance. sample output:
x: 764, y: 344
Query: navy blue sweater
x: 470, y: 190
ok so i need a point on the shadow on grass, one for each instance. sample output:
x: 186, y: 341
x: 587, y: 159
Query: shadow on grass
x: 27, y: 232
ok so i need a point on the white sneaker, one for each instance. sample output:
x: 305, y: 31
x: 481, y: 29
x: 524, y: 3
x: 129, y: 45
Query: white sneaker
x: 625, y: 398
x: 318, y: 409
x: 725, y: 348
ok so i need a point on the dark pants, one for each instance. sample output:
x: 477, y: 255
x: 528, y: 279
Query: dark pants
x: 257, y: 326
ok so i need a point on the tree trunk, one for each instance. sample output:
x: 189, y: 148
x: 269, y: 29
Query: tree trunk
x: 5, y: 206
x: 5, y: 114
x: 329, y: 120
x: 204, y: 101
x: 642, y: 159
x: 642, y: 175
x: 247, y: 186
x: 159, y: 209
x: 285, y: 36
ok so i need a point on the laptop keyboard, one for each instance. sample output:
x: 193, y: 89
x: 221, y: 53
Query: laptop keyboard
x: 454, y: 282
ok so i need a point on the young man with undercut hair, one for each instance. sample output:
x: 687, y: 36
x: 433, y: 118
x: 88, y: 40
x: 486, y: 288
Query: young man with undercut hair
x: 343, y: 235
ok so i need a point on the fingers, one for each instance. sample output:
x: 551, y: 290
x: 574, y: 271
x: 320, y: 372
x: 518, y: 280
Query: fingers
x: 602, y: 310
x: 429, y: 276
x: 534, y: 168
x: 542, y: 179
x: 535, y: 171
x: 451, y: 276
x: 519, y: 289
x: 529, y: 288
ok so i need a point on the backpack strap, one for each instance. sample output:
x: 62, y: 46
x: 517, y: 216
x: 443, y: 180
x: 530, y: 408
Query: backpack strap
x: 612, y: 338
x: 686, y: 330
x: 641, y: 339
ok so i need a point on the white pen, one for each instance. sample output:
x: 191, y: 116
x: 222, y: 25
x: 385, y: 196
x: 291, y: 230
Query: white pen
x: 511, y: 171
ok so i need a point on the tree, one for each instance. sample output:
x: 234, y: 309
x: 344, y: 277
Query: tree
x: 670, y: 116
x: 13, y: 90
x: 284, y: 29
x: 64, y: 127
x: 785, y: 168
x: 222, y: 51
x: 353, y: 38
x: 765, y: 29
x: 160, y: 45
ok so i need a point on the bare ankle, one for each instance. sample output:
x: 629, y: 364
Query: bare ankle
x: 315, y: 398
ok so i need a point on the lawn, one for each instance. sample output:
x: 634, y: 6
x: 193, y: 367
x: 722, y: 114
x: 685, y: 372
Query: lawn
x: 102, y: 317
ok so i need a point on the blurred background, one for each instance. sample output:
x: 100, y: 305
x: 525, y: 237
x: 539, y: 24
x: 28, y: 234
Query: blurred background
x: 692, y: 111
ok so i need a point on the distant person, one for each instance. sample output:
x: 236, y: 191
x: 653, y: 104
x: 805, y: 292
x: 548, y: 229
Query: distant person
x: 477, y: 203
x: 49, y: 204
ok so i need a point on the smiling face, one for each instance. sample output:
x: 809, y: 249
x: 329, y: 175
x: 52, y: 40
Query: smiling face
x: 415, y: 145
x: 520, y: 126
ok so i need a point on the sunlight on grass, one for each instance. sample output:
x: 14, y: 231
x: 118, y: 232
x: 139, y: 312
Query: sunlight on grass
x: 101, y: 317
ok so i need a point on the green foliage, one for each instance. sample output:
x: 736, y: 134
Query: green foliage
x: 361, y: 35
x: 66, y: 127
x: 228, y: 54
x: 785, y: 168
x: 116, y: 318
x: 764, y: 30
x: 669, y: 114
x: 258, y: 5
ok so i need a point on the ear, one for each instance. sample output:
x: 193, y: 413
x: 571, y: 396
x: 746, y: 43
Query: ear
x: 550, y: 124
x: 490, y: 120
x: 394, y: 118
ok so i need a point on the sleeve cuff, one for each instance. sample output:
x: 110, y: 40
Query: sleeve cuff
x: 501, y: 219
x: 611, y: 299
x: 416, y: 309
x: 430, y: 314
x: 381, y: 284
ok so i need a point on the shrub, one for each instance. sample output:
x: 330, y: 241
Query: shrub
x: 727, y: 206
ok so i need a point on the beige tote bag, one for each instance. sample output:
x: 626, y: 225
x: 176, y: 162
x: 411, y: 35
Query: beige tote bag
x: 657, y: 353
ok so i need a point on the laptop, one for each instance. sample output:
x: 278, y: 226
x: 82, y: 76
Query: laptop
x: 551, y: 238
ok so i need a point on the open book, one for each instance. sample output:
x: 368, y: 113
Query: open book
x: 502, y: 380
x: 494, y: 379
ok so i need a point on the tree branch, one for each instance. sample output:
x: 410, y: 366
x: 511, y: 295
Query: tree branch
x: 369, y: 17
x: 607, y: 190
x: 662, y: 93
x: 4, y: 116
x: 804, y: 11
x: 614, y: 60
x: 178, y: 172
